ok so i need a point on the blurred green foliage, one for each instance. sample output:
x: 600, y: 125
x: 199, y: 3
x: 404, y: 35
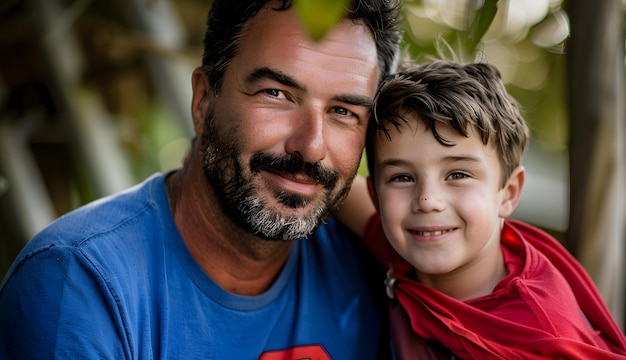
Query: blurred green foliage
x: 319, y: 16
x: 525, y: 40
x: 526, y: 44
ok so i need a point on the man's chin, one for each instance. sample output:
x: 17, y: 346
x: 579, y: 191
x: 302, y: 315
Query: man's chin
x: 285, y: 223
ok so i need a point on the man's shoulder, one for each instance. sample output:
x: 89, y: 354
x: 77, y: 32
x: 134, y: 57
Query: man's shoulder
x: 90, y: 262
x: 111, y: 217
x: 104, y: 236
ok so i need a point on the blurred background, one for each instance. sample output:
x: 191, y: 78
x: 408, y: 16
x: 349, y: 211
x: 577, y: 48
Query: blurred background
x: 95, y: 97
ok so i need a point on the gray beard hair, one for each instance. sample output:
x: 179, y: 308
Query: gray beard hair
x: 272, y: 225
x: 240, y: 200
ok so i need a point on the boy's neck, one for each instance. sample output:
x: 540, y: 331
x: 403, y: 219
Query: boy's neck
x: 469, y: 283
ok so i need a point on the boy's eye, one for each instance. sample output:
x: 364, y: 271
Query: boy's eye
x: 458, y: 175
x: 401, y: 178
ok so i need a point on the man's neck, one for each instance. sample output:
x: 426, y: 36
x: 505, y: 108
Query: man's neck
x: 235, y: 259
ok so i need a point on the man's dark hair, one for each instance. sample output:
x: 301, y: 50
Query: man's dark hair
x: 227, y: 19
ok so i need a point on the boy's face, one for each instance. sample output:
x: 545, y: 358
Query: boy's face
x: 440, y: 206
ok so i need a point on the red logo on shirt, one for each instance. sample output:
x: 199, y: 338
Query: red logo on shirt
x: 309, y: 352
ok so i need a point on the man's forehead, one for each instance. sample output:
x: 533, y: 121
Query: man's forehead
x: 275, y: 39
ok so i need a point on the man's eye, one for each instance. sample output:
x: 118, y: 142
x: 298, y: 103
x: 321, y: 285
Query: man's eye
x: 347, y: 116
x: 343, y: 111
x: 274, y: 93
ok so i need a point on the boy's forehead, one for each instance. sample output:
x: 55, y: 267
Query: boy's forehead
x: 414, y: 121
x: 415, y: 132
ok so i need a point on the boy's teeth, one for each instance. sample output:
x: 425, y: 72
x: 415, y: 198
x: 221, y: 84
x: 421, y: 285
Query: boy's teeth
x: 432, y: 233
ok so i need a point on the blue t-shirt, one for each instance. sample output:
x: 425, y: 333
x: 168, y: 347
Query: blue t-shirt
x: 114, y: 280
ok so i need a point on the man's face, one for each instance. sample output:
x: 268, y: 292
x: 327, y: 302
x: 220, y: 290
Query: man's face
x: 283, y: 139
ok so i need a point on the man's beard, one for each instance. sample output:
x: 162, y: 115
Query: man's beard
x: 232, y: 181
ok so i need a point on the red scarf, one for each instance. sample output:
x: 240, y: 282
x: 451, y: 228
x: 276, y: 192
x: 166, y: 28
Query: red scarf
x: 536, y: 312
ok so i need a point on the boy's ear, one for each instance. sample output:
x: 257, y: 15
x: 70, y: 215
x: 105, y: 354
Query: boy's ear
x: 512, y: 191
x: 372, y: 191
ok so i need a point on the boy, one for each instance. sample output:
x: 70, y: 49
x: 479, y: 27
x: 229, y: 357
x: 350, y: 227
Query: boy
x: 444, y: 149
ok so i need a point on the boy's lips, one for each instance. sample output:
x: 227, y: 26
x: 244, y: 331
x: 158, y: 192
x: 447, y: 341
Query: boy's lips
x: 431, y: 233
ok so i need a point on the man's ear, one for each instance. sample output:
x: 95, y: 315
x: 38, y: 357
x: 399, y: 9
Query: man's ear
x: 372, y: 191
x: 512, y: 191
x: 201, y: 96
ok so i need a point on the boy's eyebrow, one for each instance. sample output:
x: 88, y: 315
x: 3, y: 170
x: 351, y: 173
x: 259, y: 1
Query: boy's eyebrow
x: 447, y: 159
x: 394, y: 162
x: 275, y: 75
x: 464, y: 158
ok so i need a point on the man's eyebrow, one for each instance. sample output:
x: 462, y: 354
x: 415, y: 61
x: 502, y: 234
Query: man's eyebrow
x: 358, y: 100
x: 275, y: 75
x: 271, y: 74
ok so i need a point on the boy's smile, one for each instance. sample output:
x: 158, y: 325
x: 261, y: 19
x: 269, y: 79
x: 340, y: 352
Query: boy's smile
x: 441, y: 205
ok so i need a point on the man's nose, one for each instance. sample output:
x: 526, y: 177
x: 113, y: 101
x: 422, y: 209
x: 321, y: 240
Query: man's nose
x: 307, y: 140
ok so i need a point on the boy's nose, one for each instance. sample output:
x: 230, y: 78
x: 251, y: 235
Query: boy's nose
x: 427, y: 199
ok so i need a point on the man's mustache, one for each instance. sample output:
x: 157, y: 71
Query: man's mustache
x: 294, y: 165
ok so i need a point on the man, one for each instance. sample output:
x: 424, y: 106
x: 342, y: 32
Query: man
x: 202, y: 262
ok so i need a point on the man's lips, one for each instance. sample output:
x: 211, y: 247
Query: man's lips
x: 298, y: 183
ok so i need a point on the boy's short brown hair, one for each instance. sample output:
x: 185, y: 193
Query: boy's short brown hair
x: 455, y: 95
